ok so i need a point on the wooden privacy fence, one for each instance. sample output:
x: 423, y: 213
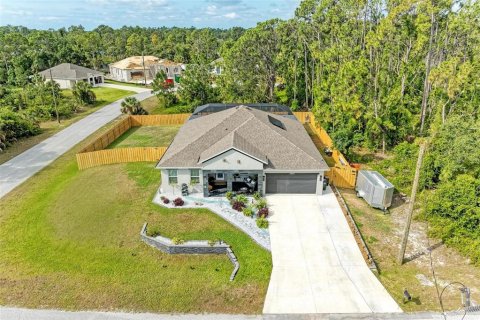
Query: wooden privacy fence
x: 109, y: 156
x: 342, y: 175
x: 160, y: 119
x: 94, y: 154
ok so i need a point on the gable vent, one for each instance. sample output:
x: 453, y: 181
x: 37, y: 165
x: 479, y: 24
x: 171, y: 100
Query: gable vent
x: 276, y: 122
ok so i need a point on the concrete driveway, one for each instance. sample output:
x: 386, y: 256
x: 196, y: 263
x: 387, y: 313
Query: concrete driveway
x: 317, y: 265
x: 17, y: 170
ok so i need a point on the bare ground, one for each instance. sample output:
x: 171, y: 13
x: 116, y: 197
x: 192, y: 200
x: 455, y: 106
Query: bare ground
x: 382, y: 234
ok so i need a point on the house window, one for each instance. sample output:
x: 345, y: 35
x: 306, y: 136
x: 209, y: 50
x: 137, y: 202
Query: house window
x: 220, y: 176
x: 172, y: 176
x: 194, y: 176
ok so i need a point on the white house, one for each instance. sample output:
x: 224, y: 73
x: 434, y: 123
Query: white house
x: 67, y: 74
x: 242, y: 149
x: 137, y: 68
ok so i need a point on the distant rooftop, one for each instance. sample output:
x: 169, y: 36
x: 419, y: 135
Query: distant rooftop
x: 274, y: 108
x: 69, y: 71
x: 136, y: 62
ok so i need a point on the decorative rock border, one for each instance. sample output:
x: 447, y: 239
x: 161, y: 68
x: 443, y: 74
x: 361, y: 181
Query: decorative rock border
x: 191, y: 247
x: 224, y: 211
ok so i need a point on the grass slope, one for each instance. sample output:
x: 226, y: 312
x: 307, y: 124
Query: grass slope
x: 49, y: 128
x: 146, y: 136
x: 153, y: 106
x: 70, y: 240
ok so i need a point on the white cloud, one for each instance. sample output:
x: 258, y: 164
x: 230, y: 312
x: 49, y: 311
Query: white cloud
x: 211, y: 10
x: 197, y: 19
x: 231, y: 15
x: 50, y: 18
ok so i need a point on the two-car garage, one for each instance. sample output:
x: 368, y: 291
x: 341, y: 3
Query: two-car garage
x: 292, y: 183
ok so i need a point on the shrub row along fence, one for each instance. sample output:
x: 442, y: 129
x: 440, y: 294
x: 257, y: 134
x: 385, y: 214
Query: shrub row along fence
x: 191, y: 247
x: 342, y: 175
x: 94, y: 154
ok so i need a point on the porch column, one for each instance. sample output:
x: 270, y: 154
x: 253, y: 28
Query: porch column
x: 229, y: 177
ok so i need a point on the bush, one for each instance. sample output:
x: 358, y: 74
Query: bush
x: 166, y: 200
x: 262, y: 223
x: 248, y: 211
x: 229, y: 195
x: 237, y: 205
x: 153, y: 232
x: 257, y: 196
x: 178, y: 202
x: 242, y: 198
x: 177, y: 241
x: 453, y: 212
x: 263, y: 212
x: 261, y: 203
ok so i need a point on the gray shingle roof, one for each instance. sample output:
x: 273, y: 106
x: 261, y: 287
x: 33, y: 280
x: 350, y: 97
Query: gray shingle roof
x: 70, y: 71
x: 249, y: 131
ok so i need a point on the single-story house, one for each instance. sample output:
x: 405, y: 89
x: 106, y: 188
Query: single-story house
x: 67, y: 74
x: 135, y: 68
x: 242, y: 149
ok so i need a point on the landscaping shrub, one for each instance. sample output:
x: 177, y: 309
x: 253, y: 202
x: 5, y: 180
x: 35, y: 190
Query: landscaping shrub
x: 166, y: 200
x: 262, y: 223
x: 178, y: 202
x: 177, y: 241
x: 242, y: 198
x: 162, y: 198
x: 263, y: 212
x: 248, y: 211
x: 237, y: 205
x: 257, y: 196
x: 153, y: 232
x: 229, y: 195
x: 261, y: 203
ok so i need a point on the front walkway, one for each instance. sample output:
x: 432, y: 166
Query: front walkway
x: 317, y: 265
x: 26, y: 164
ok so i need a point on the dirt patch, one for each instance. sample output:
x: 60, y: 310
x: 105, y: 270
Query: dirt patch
x: 383, y: 233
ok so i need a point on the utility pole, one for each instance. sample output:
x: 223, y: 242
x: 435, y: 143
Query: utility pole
x: 144, y: 71
x: 406, y: 231
x: 53, y: 95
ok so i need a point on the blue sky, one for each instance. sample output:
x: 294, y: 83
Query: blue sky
x: 45, y: 14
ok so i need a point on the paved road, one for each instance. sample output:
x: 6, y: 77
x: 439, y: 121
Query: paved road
x: 7, y: 313
x: 19, y: 169
x: 317, y: 265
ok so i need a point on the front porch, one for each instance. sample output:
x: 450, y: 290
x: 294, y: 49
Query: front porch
x: 217, y: 182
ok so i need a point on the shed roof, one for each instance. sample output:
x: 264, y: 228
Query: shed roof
x: 69, y: 71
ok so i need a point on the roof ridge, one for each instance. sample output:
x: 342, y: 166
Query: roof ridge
x: 205, y: 133
x: 283, y: 137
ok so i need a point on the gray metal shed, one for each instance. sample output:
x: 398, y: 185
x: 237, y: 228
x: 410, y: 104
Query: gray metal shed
x: 375, y: 189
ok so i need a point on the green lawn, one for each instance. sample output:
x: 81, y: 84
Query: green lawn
x: 70, y: 240
x: 153, y: 106
x: 49, y: 128
x: 146, y: 136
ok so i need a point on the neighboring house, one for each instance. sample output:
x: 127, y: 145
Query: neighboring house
x: 134, y: 69
x: 242, y: 149
x: 172, y: 69
x: 67, y: 74
x: 217, y: 66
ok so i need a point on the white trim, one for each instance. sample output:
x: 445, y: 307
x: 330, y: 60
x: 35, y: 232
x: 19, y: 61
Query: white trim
x: 295, y: 171
x: 233, y: 148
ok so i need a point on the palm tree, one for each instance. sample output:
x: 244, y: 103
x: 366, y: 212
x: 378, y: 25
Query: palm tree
x: 82, y: 91
x: 132, y: 106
